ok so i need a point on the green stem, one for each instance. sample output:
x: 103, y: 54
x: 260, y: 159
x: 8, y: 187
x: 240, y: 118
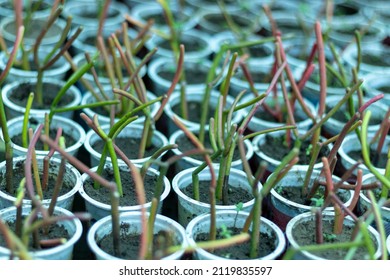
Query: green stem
x: 25, y: 120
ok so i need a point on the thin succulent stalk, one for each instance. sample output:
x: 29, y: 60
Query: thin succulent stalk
x: 143, y: 62
x: 291, y: 78
x: 59, y: 180
x: 139, y: 189
x: 366, y: 154
x: 46, y: 161
x: 25, y: 120
x: 105, y: 56
x: 3, y: 119
x: 175, y: 80
x: 71, y: 81
x: 255, y: 232
x: 314, y: 155
x: 380, y: 136
x: 115, y: 222
x: 212, y: 74
x: 27, y: 168
x: 82, y: 80
x: 20, y: 193
x: 339, y: 217
x: 319, y: 227
x: 155, y: 157
x: 379, y: 224
x: 212, y: 133
x: 37, y: 177
x: 102, y: 16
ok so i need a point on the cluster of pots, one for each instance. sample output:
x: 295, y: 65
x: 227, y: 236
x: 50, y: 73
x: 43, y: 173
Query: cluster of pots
x: 184, y: 217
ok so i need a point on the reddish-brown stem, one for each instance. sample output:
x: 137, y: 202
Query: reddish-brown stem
x: 175, y: 80
x: 319, y: 227
x: 291, y: 78
x: 322, y: 68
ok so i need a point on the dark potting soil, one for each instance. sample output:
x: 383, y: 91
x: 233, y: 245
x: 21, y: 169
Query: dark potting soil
x: 190, y: 45
x: 378, y: 161
x: 54, y: 231
x: 194, y: 75
x: 18, y: 175
x: 276, y: 148
x: 130, y: 146
x: 69, y: 140
x: 194, y: 109
x: 304, y: 234
x: 20, y: 95
x: 129, y: 197
x: 130, y: 243
x: 235, y: 195
x: 184, y: 144
x: 240, y: 251
x: 293, y: 193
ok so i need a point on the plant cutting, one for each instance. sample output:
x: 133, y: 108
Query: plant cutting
x: 333, y: 237
x: 145, y: 249
x: 32, y: 223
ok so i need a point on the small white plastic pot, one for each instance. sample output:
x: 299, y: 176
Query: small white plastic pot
x: 376, y: 84
x: 189, y: 208
x: 284, y: 209
x: 14, y: 110
x: 71, y: 176
x: 310, y: 217
x: 230, y: 218
x: 62, y: 252
x: 37, y: 23
x: 100, y: 210
x: 103, y: 227
x: 69, y: 127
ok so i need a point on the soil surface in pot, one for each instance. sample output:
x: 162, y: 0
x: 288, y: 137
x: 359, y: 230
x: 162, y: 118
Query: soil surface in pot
x: 294, y: 193
x: 130, y: 243
x: 378, y: 161
x: 184, y: 144
x: 129, y: 197
x: 54, y: 231
x: 194, y: 75
x: 276, y: 148
x: 240, y: 251
x: 69, y: 140
x: 130, y: 146
x: 266, y: 116
x: 18, y: 175
x: 194, y: 109
x: 191, y: 45
x: 235, y: 194
x: 304, y: 234
x: 20, y: 95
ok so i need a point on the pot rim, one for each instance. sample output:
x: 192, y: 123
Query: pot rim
x: 79, y: 140
x: 92, y: 233
x: 71, y: 169
x: 206, y: 217
x: 8, y: 88
x: 70, y: 242
x: 205, y: 174
x: 308, y: 215
x: 132, y: 208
